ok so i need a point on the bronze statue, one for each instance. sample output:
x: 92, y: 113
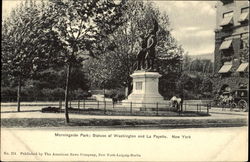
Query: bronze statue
x: 151, y: 43
x: 146, y: 56
x: 142, y: 53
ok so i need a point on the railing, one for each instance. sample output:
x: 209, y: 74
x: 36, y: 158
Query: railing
x: 114, y: 108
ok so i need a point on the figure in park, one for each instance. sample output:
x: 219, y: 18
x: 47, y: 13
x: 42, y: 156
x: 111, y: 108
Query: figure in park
x: 147, y: 53
x: 151, y: 43
x: 142, y: 53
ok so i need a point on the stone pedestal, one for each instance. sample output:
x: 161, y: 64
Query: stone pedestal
x: 145, y: 92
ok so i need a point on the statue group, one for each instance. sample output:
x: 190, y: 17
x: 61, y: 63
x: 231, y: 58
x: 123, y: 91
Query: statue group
x: 146, y: 56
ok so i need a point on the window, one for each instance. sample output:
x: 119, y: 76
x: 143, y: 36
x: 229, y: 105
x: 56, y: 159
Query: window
x: 227, y: 19
x: 243, y: 66
x: 226, y: 50
x: 226, y: 67
x: 226, y: 44
x: 246, y: 9
x: 244, y: 15
x: 228, y: 14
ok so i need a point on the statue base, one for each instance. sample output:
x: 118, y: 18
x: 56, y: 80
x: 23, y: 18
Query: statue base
x: 145, y: 92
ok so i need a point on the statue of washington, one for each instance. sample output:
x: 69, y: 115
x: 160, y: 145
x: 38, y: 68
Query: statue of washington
x: 146, y: 56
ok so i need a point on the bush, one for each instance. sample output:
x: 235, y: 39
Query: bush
x: 119, y: 94
x: 8, y: 94
x: 110, y: 93
x: 58, y: 92
x: 80, y: 94
x: 29, y: 93
x: 47, y: 94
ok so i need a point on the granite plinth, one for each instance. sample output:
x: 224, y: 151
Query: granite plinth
x: 145, y: 92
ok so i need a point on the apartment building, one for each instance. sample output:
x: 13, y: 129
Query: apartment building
x: 231, y: 55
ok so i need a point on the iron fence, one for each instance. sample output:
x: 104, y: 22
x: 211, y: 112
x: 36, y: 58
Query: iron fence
x: 108, y: 107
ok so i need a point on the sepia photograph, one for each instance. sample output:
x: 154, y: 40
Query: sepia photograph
x: 124, y: 80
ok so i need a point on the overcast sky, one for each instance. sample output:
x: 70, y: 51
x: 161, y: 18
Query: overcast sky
x: 193, y: 22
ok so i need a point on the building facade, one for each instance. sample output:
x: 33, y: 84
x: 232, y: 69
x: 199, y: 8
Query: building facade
x: 231, y: 55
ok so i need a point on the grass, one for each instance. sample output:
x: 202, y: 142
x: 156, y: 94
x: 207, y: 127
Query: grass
x: 164, y: 123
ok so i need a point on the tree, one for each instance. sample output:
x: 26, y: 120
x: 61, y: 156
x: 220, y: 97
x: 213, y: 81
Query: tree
x: 201, y: 66
x: 186, y: 64
x: 116, y: 65
x: 81, y: 27
x: 27, y: 41
x: 196, y: 77
x: 206, y: 87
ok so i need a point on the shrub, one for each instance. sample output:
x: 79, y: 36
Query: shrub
x: 52, y: 94
x: 115, y: 93
x: 110, y: 93
x: 8, y: 94
x: 29, y: 93
x: 80, y: 94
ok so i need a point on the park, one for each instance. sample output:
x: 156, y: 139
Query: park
x: 124, y: 80
x: 115, y: 67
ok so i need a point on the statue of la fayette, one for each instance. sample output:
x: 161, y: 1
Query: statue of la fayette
x: 146, y: 56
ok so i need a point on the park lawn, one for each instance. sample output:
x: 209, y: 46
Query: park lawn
x: 122, y: 123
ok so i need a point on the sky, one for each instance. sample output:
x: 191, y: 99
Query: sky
x: 193, y: 22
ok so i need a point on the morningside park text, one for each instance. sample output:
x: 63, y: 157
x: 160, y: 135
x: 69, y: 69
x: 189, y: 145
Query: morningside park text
x: 128, y: 136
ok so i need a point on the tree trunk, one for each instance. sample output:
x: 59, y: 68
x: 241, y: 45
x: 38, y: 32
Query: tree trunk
x: 19, y: 94
x: 104, y: 94
x: 67, y: 92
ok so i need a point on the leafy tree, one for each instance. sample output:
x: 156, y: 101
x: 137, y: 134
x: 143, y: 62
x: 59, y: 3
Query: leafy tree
x: 118, y: 62
x: 82, y: 26
x: 202, y: 66
x: 194, y: 86
x: 27, y: 42
x: 187, y: 60
x: 55, y: 78
x: 196, y: 78
x: 206, y: 87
